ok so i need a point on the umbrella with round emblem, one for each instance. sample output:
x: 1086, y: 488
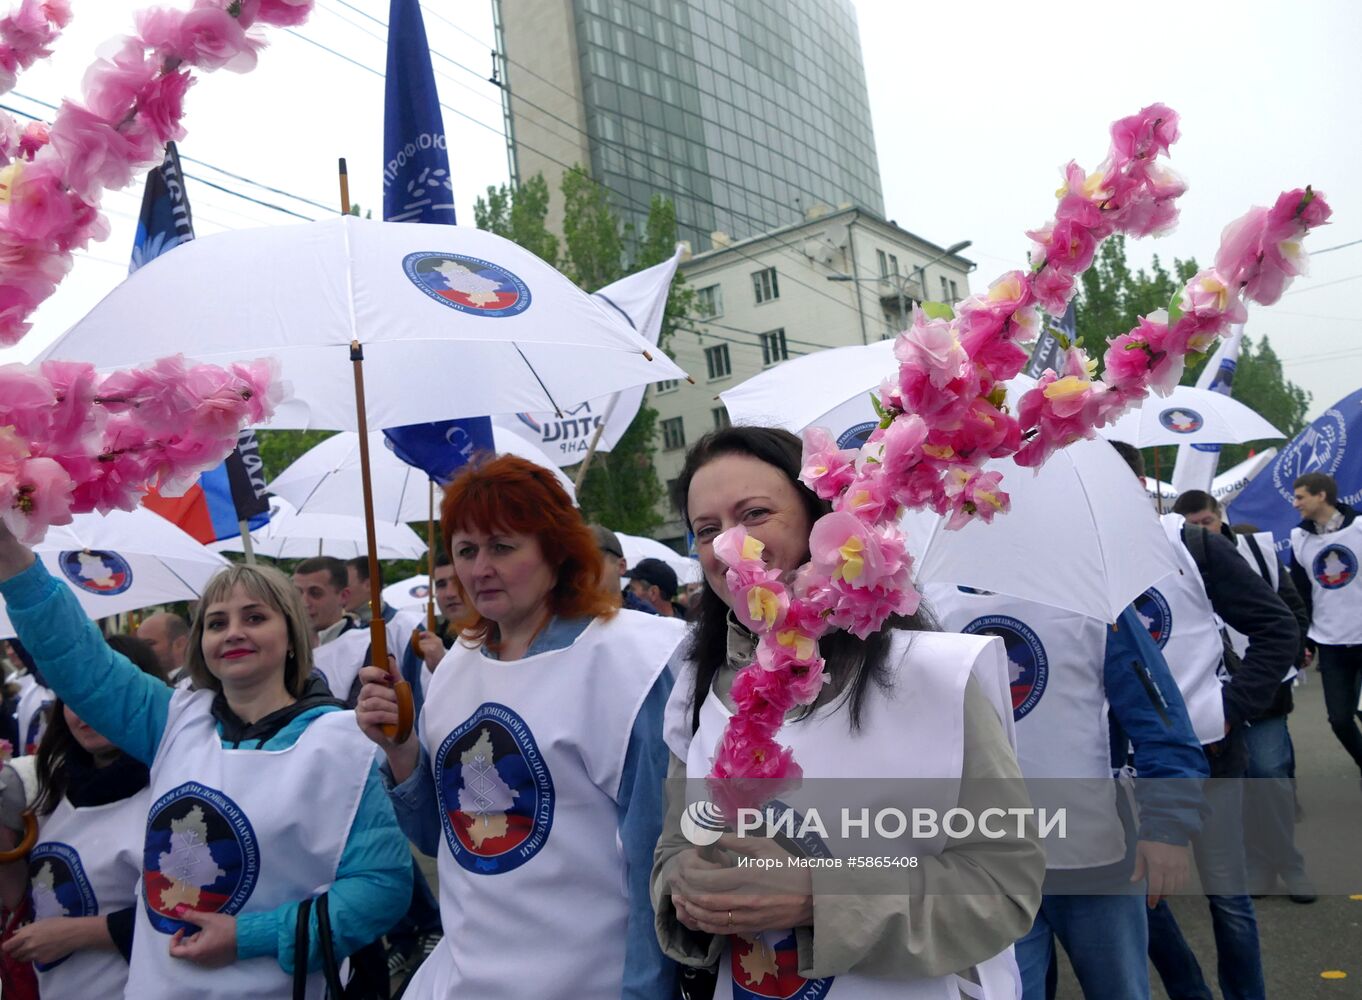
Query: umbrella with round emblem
x: 440, y: 322
x: 123, y: 561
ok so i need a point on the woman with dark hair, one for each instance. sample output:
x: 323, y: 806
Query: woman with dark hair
x: 91, y: 806
x: 903, y: 703
x: 537, y: 777
x: 263, y: 796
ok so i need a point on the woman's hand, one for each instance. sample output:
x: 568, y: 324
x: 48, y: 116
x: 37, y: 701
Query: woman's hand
x: 376, y: 708
x: 432, y: 649
x: 212, y: 946
x: 15, y: 556
x: 56, y: 937
x: 720, y: 898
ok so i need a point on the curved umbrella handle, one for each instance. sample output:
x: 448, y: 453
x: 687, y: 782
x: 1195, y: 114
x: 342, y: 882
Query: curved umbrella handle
x: 31, y: 832
x: 406, y: 713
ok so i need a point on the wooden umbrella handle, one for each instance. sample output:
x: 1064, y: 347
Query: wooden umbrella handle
x: 406, y: 713
x: 31, y: 832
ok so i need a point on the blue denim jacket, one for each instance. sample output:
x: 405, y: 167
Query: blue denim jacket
x: 648, y: 975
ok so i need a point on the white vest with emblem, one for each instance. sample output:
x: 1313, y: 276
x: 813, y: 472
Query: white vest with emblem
x: 1331, y: 561
x: 1245, y: 543
x: 1181, y: 620
x: 31, y: 714
x: 87, y: 863
x: 1055, y: 662
x: 239, y: 831
x: 914, y: 731
x: 527, y: 758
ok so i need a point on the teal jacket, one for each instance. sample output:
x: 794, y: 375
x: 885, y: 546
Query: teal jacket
x: 373, y: 883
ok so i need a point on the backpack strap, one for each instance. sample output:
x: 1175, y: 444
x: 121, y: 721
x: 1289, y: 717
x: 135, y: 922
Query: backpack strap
x: 1258, y: 555
x: 300, y: 947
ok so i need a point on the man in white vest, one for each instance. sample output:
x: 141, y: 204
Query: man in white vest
x: 1270, y: 803
x: 1326, y: 548
x: 1065, y: 669
x: 1185, y: 613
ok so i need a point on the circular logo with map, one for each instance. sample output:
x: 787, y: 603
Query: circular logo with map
x: 200, y: 853
x: 858, y: 435
x: 1152, y: 609
x: 420, y: 591
x: 104, y: 573
x: 59, y: 887
x: 1181, y: 420
x: 1334, y: 567
x: 495, y: 791
x: 1318, y: 448
x: 468, y: 284
x: 1028, y: 668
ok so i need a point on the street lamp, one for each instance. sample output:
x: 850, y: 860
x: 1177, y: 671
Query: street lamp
x: 900, y: 280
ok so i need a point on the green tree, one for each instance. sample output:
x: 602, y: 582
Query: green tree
x: 1112, y: 300
x: 593, y: 241
x: 520, y: 216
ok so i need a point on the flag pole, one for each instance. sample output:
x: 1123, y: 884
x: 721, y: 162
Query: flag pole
x: 595, y: 440
x: 430, y: 558
x: 378, y: 636
x: 246, y: 545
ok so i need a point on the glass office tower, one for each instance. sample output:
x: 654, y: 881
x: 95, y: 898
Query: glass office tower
x: 746, y: 113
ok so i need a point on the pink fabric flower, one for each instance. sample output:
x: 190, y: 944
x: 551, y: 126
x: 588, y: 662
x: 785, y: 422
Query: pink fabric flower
x: 33, y: 138
x: 284, y: 13
x: 827, y: 469
x: 929, y: 347
x: 1145, y: 135
x: 160, y: 105
x: 206, y: 37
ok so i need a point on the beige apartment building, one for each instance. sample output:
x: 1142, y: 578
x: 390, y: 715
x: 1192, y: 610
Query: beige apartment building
x: 842, y: 276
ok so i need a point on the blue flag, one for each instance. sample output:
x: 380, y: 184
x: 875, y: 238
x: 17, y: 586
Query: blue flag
x: 416, y: 182
x: 1046, y: 353
x: 165, y: 221
x: 1332, y: 445
x: 442, y: 448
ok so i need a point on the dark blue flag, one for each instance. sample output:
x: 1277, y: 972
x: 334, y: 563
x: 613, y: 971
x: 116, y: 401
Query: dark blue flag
x: 1049, y: 346
x: 442, y: 448
x: 1332, y: 445
x: 164, y: 222
x: 416, y: 181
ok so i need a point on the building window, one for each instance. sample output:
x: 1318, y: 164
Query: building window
x: 773, y: 349
x: 945, y: 290
x: 720, y: 417
x: 668, y: 385
x: 673, y: 434
x: 764, y: 284
x: 716, y: 358
x: 884, y: 263
x: 955, y: 292
x: 893, y: 264
x: 709, y: 301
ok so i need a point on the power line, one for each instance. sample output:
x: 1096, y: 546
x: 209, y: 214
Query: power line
x: 1315, y: 288
x: 1352, y: 243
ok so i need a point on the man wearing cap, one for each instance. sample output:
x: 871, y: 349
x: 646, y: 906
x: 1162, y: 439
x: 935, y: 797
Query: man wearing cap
x: 654, y: 583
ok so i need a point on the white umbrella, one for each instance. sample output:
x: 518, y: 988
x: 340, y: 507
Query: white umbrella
x: 1189, y: 415
x: 454, y: 322
x: 326, y: 479
x: 409, y: 594
x: 636, y: 547
x: 828, y: 389
x: 1081, y: 535
x: 124, y: 561
x: 290, y: 535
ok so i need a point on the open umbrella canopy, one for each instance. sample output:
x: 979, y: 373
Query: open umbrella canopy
x: 409, y: 594
x: 1189, y: 415
x: 636, y: 547
x: 1081, y: 535
x: 326, y: 479
x: 454, y: 322
x: 290, y: 535
x: 124, y: 561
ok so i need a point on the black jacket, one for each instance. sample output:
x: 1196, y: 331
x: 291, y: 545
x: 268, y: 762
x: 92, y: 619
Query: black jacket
x: 1247, y: 603
x: 1299, y: 575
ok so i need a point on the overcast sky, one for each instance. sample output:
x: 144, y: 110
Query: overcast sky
x: 976, y: 107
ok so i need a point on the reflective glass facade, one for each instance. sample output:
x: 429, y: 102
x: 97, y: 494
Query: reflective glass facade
x: 745, y: 113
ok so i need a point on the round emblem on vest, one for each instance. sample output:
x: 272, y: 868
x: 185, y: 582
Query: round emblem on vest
x: 59, y: 887
x: 467, y: 284
x: 1334, y: 567
x: 496, y: 793
x: 1181, y: 420
x: 1152, y: 609
x: 856, y: 436
x: 200, y: 853
x: 1028, y: 667
x: 106, y: 574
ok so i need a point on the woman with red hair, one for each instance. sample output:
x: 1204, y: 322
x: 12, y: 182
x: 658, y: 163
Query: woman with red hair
x: 537, y: 778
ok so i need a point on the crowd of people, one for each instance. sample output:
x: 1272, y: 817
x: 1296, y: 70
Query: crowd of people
x: 219, y: 807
